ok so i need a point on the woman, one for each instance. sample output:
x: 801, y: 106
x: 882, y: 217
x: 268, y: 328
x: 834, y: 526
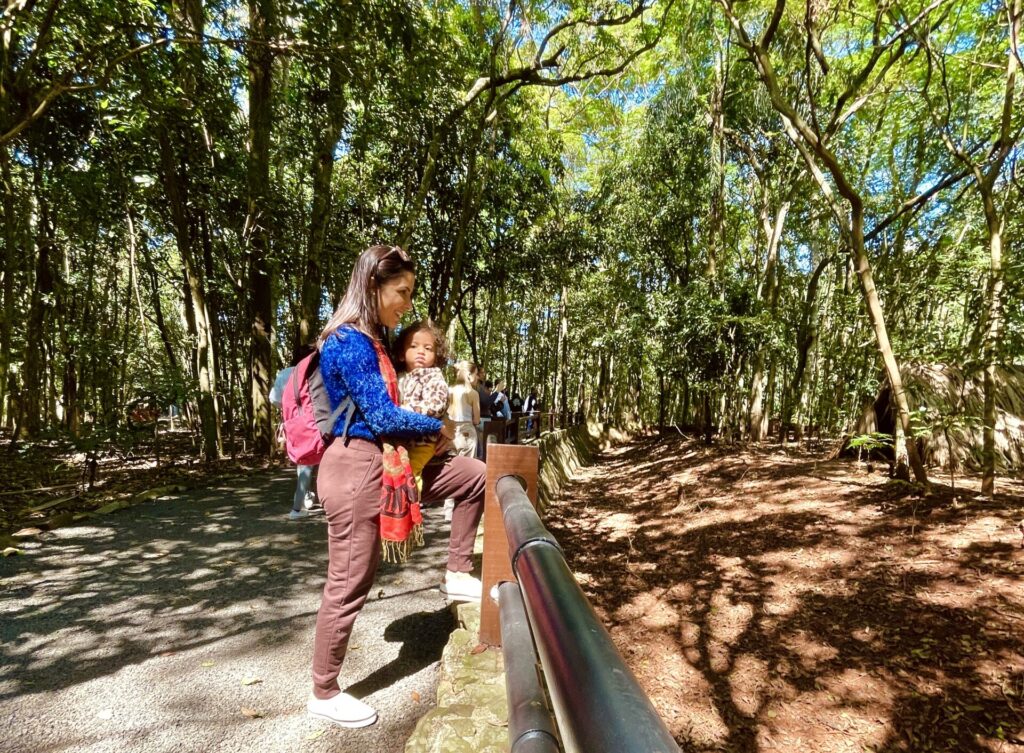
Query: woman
x: 465, y: 408
x: 354, y: 363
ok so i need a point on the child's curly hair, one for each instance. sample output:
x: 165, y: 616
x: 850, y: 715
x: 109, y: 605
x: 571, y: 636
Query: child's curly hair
x: 426, y: 325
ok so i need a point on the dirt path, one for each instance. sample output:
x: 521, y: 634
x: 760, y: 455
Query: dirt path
x: 186, y: 624
x: 773, y: 601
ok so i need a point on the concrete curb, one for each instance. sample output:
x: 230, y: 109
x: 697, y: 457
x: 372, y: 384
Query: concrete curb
x: 472, y: 712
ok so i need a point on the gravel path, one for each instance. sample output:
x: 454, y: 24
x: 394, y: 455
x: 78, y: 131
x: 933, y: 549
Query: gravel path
x: 186, y: 624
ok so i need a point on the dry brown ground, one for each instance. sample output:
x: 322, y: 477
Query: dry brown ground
x: 775, y: 601
x: 45, y: 484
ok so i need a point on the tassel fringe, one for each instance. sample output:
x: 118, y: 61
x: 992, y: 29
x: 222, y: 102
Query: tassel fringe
x: 397, y: 552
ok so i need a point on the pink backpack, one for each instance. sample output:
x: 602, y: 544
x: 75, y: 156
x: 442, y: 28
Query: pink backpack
x: 306, y: 409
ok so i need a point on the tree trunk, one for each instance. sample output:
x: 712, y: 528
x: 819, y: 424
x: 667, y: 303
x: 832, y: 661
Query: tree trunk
x: 877, y: 318
x: 158, y: 311
x: 412, y: 214
x: 213, y: 307
x: 661, y: 400
x: 262, y: 19
x: 195, y: 299
x: 34, y: 382
x: 468, y: 209
x: 756, y: 422
x: 685, y: 410
x: 717, y: 208
x: 320, y: 209
x: 560, y: 400
x: 12, y: 232
x: 994, y: 222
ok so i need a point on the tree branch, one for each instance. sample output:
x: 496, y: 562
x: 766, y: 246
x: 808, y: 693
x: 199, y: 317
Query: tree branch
x: 915, y: 203
x: 773, y: 24
x: 591, y: 22
x: 64, y: 85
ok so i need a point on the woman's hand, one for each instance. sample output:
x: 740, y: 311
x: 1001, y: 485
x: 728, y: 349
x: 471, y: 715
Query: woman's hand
x: 442, y: 445
x: 444, y: 439
x: 448, y: 428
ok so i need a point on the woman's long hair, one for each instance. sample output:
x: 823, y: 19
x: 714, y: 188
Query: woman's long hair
x: 464, y: 373
x: 375, y: 266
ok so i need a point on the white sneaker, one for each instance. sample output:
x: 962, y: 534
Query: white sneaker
x: 298, y: 514
x: 449, y: 508
x: 461, y: 586
x: 343, y: 710
x: 310, y: 501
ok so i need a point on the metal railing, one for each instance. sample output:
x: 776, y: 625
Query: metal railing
x: 531, y: 728
x: 598, y: 703
x: 522, y: 427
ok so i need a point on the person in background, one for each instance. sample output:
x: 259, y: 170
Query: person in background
x: 303, y: 499
x: 364, y: 483
x: 483, y: 389
x: 480, y: 384
x: 465, y: 408
x: 530, y: 407
x: 499, y: 402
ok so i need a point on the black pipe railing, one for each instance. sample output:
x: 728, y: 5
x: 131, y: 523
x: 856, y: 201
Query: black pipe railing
x: 598, y: 702
x: 530, y: 726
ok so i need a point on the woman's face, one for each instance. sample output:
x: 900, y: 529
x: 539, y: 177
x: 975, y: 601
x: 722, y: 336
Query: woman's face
x: 394, y: 298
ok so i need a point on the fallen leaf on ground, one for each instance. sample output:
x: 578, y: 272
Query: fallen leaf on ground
x: 251, y: 680
x: 27, y: 533
x: 207, y: 664
x: 251, y: 713
x: 12, y: 550
x: 315, y: 734
x: 478, y: 649
x: 415, y: 697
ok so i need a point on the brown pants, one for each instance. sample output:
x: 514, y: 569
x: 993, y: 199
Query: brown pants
x: 348, y: 484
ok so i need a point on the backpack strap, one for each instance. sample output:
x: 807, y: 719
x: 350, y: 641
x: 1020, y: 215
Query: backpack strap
x: 301, y: 371
x: 347, y: 406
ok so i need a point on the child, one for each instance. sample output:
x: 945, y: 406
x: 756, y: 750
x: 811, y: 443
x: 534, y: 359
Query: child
x: 420, y: 353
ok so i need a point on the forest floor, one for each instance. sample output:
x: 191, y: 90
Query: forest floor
x: 47, y: 484
x: 773, y: 600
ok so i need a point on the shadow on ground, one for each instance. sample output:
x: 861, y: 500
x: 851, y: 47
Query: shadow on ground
x: 167, y: 581
x: 777, y: 601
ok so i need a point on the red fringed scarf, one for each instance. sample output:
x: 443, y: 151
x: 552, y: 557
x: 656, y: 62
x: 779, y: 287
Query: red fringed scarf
x: 401, y: 522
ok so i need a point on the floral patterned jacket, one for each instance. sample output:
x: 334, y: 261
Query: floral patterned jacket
x: 424, y: 391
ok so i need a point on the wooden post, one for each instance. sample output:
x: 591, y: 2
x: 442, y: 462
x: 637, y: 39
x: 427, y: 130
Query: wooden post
x: 504, y: 460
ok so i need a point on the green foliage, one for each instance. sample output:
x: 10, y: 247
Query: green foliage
x: 871, y: 441
x: 593, y: 238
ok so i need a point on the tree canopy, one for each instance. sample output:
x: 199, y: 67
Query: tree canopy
x: 741, y: 217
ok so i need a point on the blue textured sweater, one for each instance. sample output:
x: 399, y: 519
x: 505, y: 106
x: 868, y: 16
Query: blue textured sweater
x: 348, y: 364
